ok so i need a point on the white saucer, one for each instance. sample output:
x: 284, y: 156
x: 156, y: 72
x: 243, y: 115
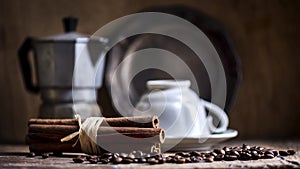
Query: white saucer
x: 204, y: 143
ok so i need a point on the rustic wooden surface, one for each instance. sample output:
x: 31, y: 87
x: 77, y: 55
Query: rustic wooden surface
x: 15, y: 157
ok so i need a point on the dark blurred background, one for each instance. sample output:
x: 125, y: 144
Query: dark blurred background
x: 264, y: 32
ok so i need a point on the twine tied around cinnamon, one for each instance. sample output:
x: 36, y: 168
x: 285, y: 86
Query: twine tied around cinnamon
x: 87, y: 134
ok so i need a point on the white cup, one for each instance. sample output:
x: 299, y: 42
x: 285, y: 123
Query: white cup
x: 180, y: 110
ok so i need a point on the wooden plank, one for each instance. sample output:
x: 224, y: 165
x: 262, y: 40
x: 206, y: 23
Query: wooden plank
x: 265, y: 34
x: 15, y: 157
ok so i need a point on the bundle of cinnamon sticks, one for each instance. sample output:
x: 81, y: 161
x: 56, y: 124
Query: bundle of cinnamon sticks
x: 123, y: 134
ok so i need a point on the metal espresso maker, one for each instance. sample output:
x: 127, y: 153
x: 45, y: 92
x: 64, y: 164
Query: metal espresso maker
x: 68, y: 69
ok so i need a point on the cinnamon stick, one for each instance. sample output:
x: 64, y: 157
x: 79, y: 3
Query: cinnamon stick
x: 68, y: 147
x: 101, y: 139
x: 48, y: 131
x: 53, y: 121
x: 138, y: 121
x: 65, y: 130
x: 156, y: 134
x: 124, y: 133
x: 45, y: 137
x: 53, y: 129
x: 119, y: 138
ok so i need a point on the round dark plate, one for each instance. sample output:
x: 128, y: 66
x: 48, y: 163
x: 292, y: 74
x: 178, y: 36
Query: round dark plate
x: 123, y: 49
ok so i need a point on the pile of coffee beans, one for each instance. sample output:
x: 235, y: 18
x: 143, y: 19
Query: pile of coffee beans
x: 227, y: 153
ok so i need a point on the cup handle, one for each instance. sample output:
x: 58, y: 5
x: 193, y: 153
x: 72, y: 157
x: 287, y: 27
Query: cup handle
x: 220, y: 114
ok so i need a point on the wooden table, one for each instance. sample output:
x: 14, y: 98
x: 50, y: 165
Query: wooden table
x: 14, y: 156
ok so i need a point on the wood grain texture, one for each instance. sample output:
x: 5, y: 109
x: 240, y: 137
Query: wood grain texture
x: 265, y: 33
x: 15, y: 157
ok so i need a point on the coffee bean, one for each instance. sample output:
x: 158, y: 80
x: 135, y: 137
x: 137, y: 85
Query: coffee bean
x: 115, y: 155
x: 87, y: 157
x: 226, y: 148
x: 245, y: 156
x: 195, y: 159
x: 31, y: 154
x: 142, y: 160
x: 227, y: 153
x: 161, y: 160
x: 158, y: 156
x: 294, y: 162
x: 127, y: 161
x: 230, y: 157
x: 173, y: 160
x: 238, y: 149
x: 131, y: 156
x: 253, y: 148
x: 188, y: 160
x: 256, y: 148
x: 118, y: 160
x: 268, y: 156
x: 195, y: 153
x: 245, y: 147
x: 213, y: 154
x: 170, y: 159
x: 45, y: 155
x: 106, y: 155
x: 178, y: 153
x: 203, y: 155
x: 260, y: 148
x: 207, y: 155
x: 269, y: 152
x: 219, y: 151
x: 283, y: 153
x: 90, y: 157
x: 180, y: 160
x: 123, y: 155
x: 232, y: 152
x: 209, y: 159
x: 104, y: 161
x: 177, y: 156
x: 93, y: 160
x: 184, y: 154
x: 291, y: 152
x: 79, y: 159
x: 219, y: 157
x: 256, y: 157
x: 261, y: 152
x: 152, y: 161
x: 275, y: 152
x: 147, y: 155
x: 254, y: 152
